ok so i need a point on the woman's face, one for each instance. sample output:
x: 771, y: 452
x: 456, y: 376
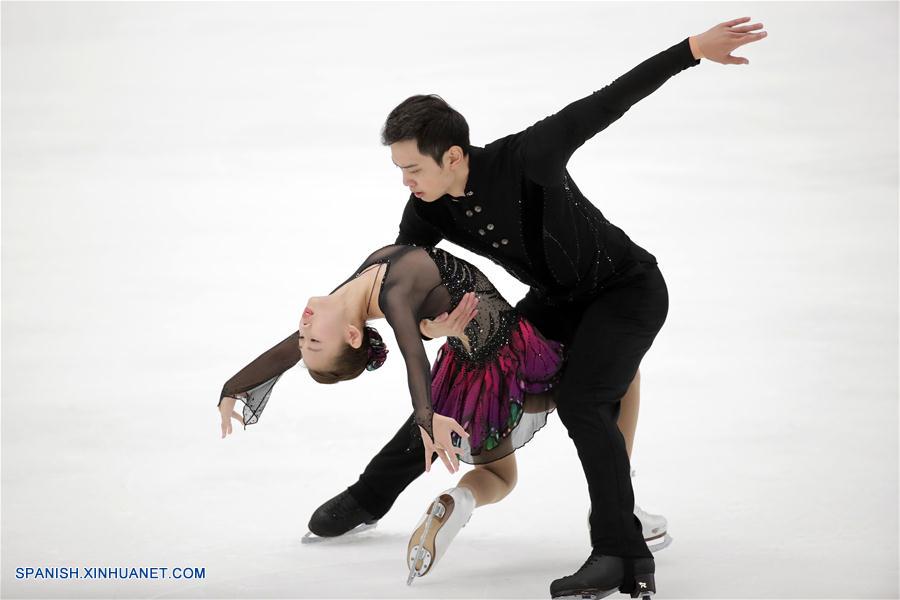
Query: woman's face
x: 324, y: 330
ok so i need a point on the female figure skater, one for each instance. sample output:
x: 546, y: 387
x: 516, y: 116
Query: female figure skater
x: 489, y: 383
x: 487, y: 394
x: 405, y: 284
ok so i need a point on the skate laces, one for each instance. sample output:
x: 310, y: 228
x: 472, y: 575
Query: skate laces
x: 344, y: 506
x: 592, y: 559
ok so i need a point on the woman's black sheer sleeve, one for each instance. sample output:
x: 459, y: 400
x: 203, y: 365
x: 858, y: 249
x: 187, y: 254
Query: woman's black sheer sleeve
x: 401, y: 316
x: 253, y: 384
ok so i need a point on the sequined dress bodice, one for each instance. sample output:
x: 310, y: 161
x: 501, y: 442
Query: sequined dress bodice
x: 490, y: 328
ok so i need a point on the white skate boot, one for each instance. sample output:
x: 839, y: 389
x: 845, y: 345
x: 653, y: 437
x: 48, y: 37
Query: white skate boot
x: 654, y: 527
x: 446, y: 515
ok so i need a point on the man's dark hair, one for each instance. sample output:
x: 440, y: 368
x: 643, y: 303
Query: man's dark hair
x: 429, y: 120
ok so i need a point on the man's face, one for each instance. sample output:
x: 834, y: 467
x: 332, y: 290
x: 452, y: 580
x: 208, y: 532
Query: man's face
x: 424, y: 177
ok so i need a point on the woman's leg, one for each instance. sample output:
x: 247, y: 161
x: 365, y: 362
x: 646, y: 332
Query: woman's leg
x: 628, y: 412
x: 491, y: 482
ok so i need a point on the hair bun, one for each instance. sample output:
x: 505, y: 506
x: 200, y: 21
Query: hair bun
x: 377, y: 350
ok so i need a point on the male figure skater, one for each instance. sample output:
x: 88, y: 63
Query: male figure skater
x: 591, y: 287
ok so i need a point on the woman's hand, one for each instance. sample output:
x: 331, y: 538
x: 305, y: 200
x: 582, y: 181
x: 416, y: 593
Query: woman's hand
x: 227, y: 412
x: 453, y: 324
x: 442, y: 444
x: 717, y: 43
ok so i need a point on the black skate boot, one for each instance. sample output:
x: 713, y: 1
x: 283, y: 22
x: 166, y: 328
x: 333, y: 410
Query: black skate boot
x: 601, y: 575
x: 340, y: 516
x: 640, y: 580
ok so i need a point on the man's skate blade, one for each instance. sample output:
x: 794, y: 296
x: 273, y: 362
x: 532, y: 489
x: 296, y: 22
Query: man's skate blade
x: 311, y: 538
x: 586, y: 595
x: 659, y: 544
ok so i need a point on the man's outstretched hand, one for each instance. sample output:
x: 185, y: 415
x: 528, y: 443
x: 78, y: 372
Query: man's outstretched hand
x: 717, y: 43
x: 454, y: 323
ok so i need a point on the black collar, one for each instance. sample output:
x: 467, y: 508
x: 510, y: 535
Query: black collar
x: 475, y: 158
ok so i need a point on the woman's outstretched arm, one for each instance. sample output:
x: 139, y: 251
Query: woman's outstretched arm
x: 253, y: 384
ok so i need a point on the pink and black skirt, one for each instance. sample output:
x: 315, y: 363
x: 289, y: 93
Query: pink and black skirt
x: 503, y: 401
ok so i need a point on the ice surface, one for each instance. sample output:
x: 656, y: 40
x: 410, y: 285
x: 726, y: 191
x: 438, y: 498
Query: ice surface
x: 176, y: 178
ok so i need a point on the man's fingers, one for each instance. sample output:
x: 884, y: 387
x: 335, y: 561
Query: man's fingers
x: 750, y: 37
x: 462, y: 314
x: 458, y: 314
x: 468, y: 314
x: 746, y: 28
x: 468, y: 301
x: 736, y: 21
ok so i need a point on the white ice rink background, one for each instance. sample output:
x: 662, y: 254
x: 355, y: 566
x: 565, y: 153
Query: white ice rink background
x: 178, y: 178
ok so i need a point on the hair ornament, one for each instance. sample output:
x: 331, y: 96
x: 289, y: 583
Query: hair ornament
x: 377, y: 350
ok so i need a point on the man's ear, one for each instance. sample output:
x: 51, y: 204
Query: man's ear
x: 353, y: 336
x: 453, y: 156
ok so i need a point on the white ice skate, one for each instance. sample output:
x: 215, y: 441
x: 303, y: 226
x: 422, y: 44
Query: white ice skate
x: 654, y: 527
x: 446, y: 515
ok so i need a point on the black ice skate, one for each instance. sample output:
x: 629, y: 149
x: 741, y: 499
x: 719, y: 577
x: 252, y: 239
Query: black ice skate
x: 601, y: 575
x: 340, y: 517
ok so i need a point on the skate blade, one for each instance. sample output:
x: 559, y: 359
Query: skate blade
x: 311, y: 538
x: 420, y: 556
x: 586, y: 595
x: 658, y: 544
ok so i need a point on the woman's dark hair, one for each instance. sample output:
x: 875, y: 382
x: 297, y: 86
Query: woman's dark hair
x: 370, y: 355
x: 434, y: 124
